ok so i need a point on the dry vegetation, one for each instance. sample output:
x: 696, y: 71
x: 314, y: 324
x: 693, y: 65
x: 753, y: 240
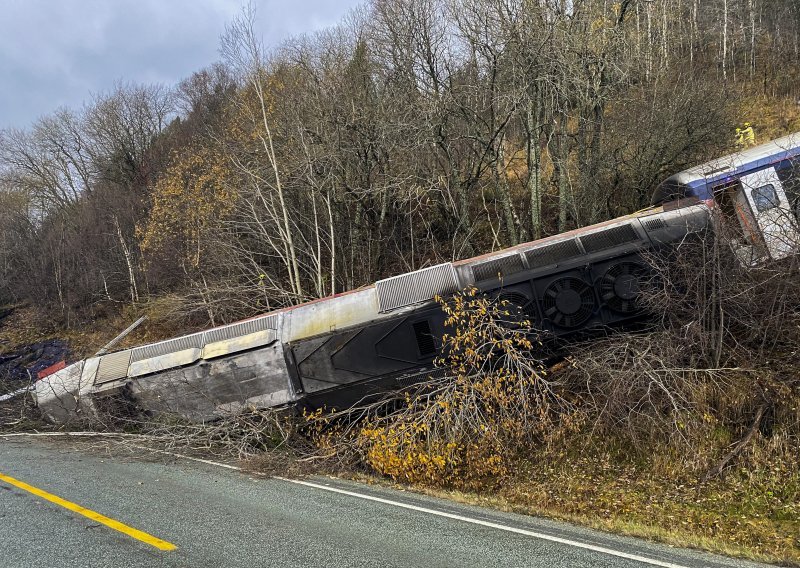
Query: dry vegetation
x: 687, y: 432
x: 415, y: 131
x: 423, y: 130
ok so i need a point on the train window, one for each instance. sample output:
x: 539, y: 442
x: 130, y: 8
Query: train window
x: 789, y: 173
x: 765, y: 198
x: 669, y: 190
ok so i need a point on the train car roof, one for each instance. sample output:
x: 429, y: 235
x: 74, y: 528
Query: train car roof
x: 750, y: 159
x: 562, y: 236
x: 511, y: 250
x: 720, y: 169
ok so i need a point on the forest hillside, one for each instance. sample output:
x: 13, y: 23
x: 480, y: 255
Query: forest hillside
x: 414, y: 132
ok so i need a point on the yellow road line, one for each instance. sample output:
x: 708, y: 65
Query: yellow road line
x: 116, y: 525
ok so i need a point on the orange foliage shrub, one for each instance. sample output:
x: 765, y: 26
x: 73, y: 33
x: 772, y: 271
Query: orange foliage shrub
x: 465, y: 429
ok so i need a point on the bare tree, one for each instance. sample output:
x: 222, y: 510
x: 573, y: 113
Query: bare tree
x: 244, y: 52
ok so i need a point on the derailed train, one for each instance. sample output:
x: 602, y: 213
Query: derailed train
x: 338, y: 350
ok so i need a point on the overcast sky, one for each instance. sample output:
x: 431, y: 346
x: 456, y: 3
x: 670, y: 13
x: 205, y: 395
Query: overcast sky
x: 58, y: 52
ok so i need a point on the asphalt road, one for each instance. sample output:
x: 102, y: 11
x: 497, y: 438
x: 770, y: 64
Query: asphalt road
x: 220, y: 517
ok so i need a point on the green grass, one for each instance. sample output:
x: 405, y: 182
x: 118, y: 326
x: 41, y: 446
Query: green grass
x: 752, y: 511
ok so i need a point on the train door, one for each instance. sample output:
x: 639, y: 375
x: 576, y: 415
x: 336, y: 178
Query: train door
x: 739, y: 224
x: 772, y: 212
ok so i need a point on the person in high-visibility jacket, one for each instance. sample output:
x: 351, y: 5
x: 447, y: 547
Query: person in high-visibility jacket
x: 748, y: 136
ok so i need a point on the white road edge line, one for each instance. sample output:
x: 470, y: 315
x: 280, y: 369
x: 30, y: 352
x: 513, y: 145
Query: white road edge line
x: 201, y: 460
x: 80, y: 434
x: 506, y: 528
x: 538, y: 535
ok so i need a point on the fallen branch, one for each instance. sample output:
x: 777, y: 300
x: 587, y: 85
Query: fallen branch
x: 739, y: 446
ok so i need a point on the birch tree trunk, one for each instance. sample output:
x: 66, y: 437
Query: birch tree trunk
x: 243, y: 50
x: 504, y: 193
x: 128, y: 262
x: 534, y: 159
x: 560, y: 170
x: 725, y: 40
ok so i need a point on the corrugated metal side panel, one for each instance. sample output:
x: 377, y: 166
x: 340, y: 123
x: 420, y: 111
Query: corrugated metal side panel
x: 504, y: 266
x: 243, y: 328
x: 415, y: 287
x: 552, y: 254
x: 113, y: 366
x: 609, y: 238
x: 194, y: 341
x: 654, y: 224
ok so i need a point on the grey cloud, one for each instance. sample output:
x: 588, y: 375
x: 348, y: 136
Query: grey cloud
x: 57, y: 53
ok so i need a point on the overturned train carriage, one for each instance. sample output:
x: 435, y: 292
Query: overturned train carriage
x: 335, y: 351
